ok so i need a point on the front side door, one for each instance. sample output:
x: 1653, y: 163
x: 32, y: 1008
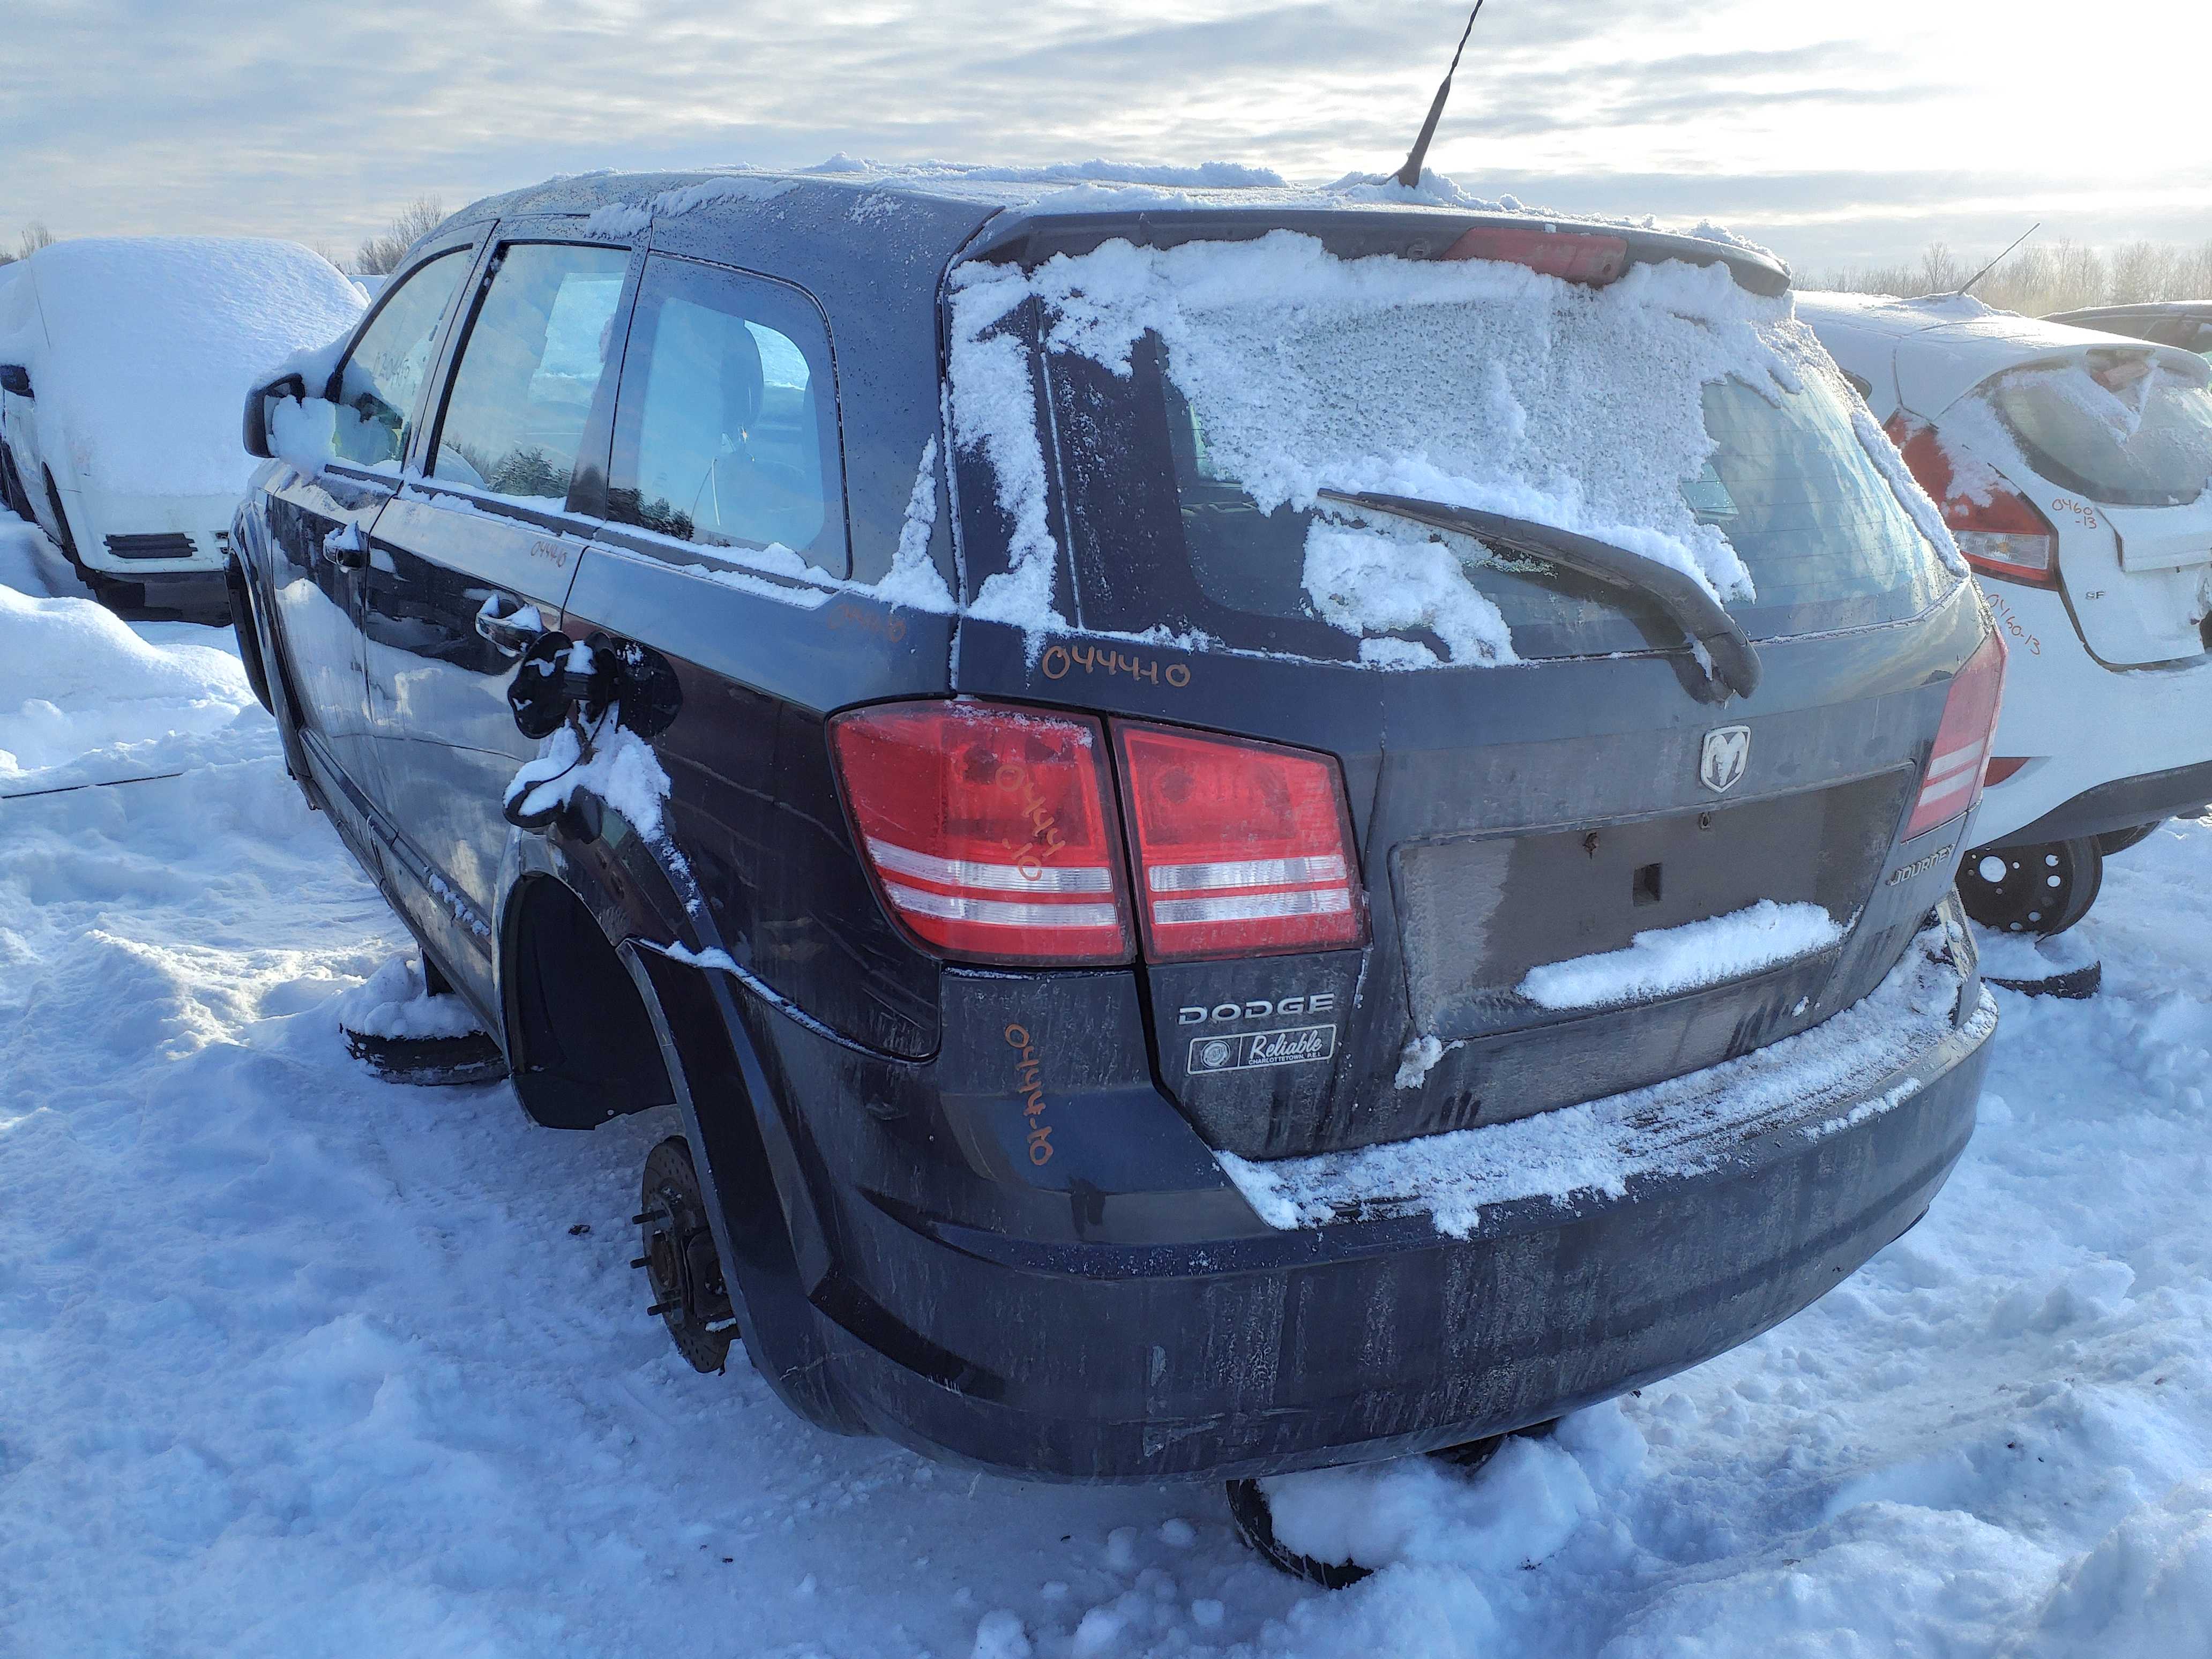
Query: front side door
x: 319, y: 521
x: 463, y: 569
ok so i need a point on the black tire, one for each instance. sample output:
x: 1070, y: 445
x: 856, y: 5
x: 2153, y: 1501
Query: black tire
x: 249, y: 643
x: 1256, y: 1525
x: 60, y: 519
x: 2118, y: 841
x: 109, y: 591
x: 1472, y: 1455
x: 2044, y: 888
x: 1256, y: 1520
x: 11, y: 487
x: 680, y: 1261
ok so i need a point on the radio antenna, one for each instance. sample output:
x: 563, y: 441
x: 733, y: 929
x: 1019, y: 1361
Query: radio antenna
x: 1410, y: 175
x: 1999, y: 260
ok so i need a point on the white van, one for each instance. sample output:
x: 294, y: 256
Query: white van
x: 122, y: 362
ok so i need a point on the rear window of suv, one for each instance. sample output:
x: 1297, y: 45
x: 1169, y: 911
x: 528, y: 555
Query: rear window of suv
x: 1165, y: 533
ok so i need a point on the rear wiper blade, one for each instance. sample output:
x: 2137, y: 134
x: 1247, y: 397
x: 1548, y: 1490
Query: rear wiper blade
x: 1733, y: 664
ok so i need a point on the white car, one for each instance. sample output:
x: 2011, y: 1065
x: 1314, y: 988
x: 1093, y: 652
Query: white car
x: 2075, y: 471
x: 122, y: 362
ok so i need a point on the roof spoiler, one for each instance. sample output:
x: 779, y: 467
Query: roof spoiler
x: 1028, y: 238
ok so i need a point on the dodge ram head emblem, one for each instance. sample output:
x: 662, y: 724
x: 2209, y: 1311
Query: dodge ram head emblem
x: 1720, y: 764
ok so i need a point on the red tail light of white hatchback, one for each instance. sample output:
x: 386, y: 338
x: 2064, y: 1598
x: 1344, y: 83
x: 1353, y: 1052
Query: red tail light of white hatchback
x: 2000, y: 531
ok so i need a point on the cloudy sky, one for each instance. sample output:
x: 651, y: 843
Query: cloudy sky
x: 1838, y: 134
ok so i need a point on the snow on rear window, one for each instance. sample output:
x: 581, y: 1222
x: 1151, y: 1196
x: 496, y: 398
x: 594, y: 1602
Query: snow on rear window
x: 2121, y: 427
x: 1473, y: 383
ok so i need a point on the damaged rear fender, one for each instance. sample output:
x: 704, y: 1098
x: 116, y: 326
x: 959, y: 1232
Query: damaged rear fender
x: 766, y: 1227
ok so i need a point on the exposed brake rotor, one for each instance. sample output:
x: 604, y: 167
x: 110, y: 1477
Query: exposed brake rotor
x: 689, y: 1295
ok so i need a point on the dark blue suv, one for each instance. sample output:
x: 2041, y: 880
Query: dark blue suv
x: 1250, y: 830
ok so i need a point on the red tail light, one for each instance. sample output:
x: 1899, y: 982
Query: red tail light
x: 991, y: 831
x: 1998, y: 528
x: 1574, y: 255
x: 1952, y: 781
x: 1241, y: 848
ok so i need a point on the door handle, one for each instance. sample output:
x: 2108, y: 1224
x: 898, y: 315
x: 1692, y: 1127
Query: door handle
x: 507, y: 624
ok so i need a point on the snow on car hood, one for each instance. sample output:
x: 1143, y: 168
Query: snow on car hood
x: 142, y: 350
x: 1474, y: 382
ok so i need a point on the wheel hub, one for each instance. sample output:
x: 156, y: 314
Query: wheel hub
x: 2044, y: 889
x: 680, y: 1260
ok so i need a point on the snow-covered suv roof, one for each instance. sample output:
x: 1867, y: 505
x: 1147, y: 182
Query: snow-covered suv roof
x: 1068, y: 194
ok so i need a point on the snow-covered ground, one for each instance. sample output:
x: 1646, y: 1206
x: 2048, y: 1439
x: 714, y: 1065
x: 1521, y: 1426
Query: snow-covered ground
x: 295, y: 1363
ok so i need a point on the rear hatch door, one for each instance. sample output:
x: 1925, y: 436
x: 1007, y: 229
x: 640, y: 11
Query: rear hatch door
x: 1584, y: 872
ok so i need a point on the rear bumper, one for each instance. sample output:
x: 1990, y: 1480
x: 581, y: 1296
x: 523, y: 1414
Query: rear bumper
x: 2120, y: 805
x: 2083, y: 727
x: 1110, y: 1335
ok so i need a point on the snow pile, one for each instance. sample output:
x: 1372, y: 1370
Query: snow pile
x: 2030, y: 956
x: 1680, y: 1126
x: 395, y: 1002
x: 2146, y: 1588
x: 1666, y: 960
x: 1527, y: 1502
x: 79, y: 688
x: 1388, y: 578
x: 142, y: 350
x: 31, y: 564
x: 621, y: 769
x: 1474, y: 382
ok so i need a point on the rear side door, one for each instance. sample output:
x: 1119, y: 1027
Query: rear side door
x: 318, y: 521
x: 726, y: 539
x: 464, y: 568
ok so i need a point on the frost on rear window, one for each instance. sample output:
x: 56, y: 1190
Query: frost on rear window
x: 2124, y: 426
x: 1473, y: 383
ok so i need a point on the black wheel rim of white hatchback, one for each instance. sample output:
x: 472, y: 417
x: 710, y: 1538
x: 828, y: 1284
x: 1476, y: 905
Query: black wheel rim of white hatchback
x: 2044, y: 888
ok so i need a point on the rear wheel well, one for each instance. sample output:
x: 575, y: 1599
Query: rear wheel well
x: 581, y: 1047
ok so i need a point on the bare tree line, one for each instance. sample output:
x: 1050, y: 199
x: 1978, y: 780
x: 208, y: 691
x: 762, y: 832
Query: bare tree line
x: 35, y: 237
x: 379, y: 256
x: 2041, y: 278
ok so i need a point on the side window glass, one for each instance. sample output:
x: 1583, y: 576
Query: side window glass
x: 726, y: 427
x: 522, y: 392
x: 382, y: 378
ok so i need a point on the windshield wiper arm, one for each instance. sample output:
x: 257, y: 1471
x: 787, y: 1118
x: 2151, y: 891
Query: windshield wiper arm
x: 1734, y: 665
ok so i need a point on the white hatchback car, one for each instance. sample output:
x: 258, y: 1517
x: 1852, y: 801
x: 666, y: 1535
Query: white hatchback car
x: 122, y: 362
x: 2075, y: 472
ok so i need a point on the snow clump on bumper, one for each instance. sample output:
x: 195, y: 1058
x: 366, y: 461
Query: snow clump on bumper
x: 1818, y: 1081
